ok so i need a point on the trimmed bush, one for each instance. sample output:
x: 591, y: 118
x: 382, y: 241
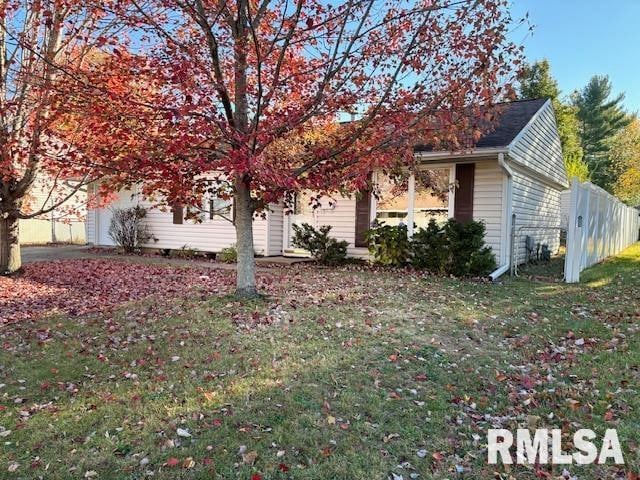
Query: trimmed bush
x: 482, y: 262
x: 324, y: 249
x: 454, y: 248
x: 467, y: 253
x: 228, y: 255
x: 429, y: 248
x: 389, y: 245
x: 128, y: 229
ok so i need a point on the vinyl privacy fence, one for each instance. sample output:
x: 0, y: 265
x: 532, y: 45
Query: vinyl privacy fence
x: 598, y: 226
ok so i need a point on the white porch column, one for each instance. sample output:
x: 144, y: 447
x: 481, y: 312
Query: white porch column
x: 411, y: 198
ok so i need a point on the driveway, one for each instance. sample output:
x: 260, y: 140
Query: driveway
x: 62, y: 252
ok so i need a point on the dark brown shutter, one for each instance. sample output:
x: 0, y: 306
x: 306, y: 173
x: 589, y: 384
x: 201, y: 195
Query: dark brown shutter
x: 463, y: 206
x: 178, y: 213
x: 363, y: 217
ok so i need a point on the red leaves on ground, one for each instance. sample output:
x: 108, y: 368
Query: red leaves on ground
x: 77, y: 287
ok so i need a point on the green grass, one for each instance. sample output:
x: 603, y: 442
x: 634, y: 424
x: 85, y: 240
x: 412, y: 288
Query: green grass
x: 339, y: 374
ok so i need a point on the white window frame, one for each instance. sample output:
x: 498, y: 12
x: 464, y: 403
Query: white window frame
x: 436, y: 166
x: 207, y: 210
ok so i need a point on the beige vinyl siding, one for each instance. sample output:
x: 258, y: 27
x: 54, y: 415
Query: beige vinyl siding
x: 538, y: 147
x: 488, y: 203
x: 209, y: 236
x: 342, y: 218
x: 565, y: 204
x: 275, y: 226
x: 536, y: 204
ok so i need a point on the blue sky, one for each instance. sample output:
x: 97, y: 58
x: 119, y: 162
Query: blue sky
x: 582, y: 38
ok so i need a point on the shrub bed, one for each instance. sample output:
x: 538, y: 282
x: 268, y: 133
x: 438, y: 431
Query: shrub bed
x: 453, y: 248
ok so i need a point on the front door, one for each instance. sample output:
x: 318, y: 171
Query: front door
x: 302, y: 213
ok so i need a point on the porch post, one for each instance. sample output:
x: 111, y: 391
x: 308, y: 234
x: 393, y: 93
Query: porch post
x: 411, y: 197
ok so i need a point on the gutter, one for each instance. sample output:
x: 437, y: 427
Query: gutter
x: 479, y: 152
x: 508, y: 209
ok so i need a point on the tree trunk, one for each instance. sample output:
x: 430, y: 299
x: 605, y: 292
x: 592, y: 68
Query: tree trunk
x: 10, y: 259
x: 246, y: 268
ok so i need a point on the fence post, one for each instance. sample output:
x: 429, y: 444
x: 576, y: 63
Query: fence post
x: 586, y: 229
x: 571, y: 260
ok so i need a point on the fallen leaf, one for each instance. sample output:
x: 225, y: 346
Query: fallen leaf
x: 249, y: 458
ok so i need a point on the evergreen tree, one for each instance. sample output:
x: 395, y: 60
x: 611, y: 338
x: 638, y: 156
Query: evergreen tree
x: 601, y: 118
x: 625, y: 161
x: 536, y: 81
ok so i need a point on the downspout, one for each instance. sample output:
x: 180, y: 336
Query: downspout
x: 508, y: 208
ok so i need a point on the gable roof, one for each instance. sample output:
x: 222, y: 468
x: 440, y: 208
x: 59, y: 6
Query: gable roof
x: 513, y: 117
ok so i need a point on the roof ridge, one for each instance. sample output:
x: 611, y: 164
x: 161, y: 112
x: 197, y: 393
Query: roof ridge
x: 522, y: 100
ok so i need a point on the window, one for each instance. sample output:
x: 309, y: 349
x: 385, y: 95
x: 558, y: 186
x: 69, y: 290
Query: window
x: 431, y: 198
x: 216, y: 204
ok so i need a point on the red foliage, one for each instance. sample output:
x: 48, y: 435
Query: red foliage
x: 77, y: 287
x: 263, y: 104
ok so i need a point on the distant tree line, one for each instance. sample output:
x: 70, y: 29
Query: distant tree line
x: 600, y: 139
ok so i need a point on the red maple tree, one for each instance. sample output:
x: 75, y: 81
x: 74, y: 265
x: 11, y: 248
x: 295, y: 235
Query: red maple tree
x: 254, y: 90
x: 62, y: 104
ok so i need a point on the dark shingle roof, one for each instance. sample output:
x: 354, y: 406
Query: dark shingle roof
x: 512, y: 118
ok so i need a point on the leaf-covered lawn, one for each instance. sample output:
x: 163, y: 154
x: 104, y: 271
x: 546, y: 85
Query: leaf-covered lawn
x: 76, y: 287
x: 347, y: 373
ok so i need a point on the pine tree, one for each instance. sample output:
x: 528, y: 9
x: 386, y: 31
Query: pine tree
x: 536, y: 81
x: 601, y: 118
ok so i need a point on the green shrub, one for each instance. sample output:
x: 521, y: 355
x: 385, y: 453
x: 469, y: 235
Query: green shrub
x: 228, y: 255
x: 389, y: 245
x: 185, y: 252
x: 454, y: 248
x: 467, y: 253
x: 482, y: 262
x: 324, y: 249
x: 428, y: 247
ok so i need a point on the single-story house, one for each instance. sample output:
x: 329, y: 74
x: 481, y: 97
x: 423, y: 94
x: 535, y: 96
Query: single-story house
x: 515, y: 172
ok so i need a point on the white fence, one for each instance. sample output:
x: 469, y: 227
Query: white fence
x: 41, y: 231
x: 598, y: 225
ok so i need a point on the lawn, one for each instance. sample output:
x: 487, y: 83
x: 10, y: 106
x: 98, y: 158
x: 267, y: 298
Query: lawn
x: 153, y: 371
